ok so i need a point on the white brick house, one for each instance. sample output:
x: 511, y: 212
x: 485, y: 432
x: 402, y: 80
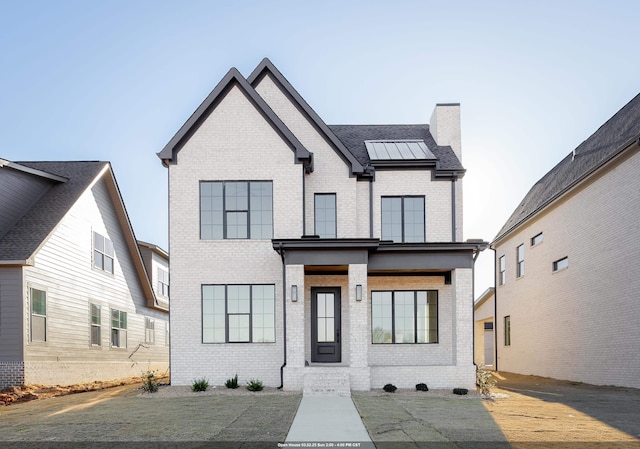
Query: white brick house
x: 76, y: 302
x: 567, y: 271
x: 312, y: 256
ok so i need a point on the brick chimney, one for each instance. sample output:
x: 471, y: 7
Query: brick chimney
x: 445, y: 126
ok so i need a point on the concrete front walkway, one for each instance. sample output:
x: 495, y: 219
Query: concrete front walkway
x: 328, y: 419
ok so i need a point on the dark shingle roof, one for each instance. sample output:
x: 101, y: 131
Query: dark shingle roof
x: 34, y: 227
x: 353, y: 137
x: 610, y: 139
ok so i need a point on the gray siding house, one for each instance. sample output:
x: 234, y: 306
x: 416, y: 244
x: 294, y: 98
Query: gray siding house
x: 76, y: 301
x: 567, y: 271
x: 315, y: 257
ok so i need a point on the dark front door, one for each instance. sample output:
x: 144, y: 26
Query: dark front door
x: 325, y: 324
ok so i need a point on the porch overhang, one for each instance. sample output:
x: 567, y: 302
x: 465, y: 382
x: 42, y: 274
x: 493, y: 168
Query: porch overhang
x: 380, y: 256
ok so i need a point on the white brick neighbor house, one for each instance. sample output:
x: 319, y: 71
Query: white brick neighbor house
x: 483, y: 329
x: 76, y: 301
x: 567, y: 269
x: 316, y: 257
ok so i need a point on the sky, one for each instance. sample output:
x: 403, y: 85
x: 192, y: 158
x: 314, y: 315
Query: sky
x: 115, y: 80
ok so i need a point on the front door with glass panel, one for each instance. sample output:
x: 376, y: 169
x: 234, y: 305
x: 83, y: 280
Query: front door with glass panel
x: 325, y: 324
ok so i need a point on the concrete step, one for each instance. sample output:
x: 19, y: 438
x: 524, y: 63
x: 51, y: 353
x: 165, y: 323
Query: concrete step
x: 321, y: 381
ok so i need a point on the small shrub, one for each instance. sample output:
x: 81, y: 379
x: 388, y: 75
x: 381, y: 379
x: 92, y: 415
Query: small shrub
x: 460, y: 391
x: 390, y: 388
x: 484, y: 381
x: 422, y: 387
x: 254, y: 385
x: 149, y: 381
x: 200, y: 385
x: 232, y: 383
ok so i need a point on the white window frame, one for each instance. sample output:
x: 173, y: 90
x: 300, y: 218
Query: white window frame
x: 118, y: 330
x: 100, y: 255
x: 149, y: 330
x: 163, y: 282
x: 93, y: 325
x: 39, y: 317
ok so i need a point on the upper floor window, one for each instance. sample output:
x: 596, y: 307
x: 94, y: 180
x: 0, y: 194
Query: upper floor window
x: 561, y: 264
x: 102, y: 253
x: 236, y: 210
x: 238, y: 314
x: 163, y: 282
x: 503, y: 270
x: 404, y: 316
x: 520, y: 256
x: 325, y: 215
x: 536, y: 239
x: 403, y: 218
x: 38, y: 315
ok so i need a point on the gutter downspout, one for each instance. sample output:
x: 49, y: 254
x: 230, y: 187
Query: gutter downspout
x: 371, y: 208
x: 495, y: 309
x: 284, y: 315
x: 453, y: 209
x: 304, y: 205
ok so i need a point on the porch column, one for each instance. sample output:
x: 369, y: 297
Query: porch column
x: 295, y: 317
x: 359, y: 333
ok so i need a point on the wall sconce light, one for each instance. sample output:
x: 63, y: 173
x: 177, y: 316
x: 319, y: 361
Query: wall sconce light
x: 294, y: 293
x: 358, y: 292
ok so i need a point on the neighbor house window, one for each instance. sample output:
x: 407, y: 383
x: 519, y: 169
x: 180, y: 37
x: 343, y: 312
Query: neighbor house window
x: 166, y: 333
x: 163, y: 282
x: 403, y: 218
x: 507, y: 331
x: 38, y: 315
x: 520, y: 258
x: 404, y: 316
x: 537, y: 239
x: 118, y: 329
x: 236, y: 210
x: 561, y: 264
x: 238, y: 314
x: 503, y: 270
x: 325, y: 215
x: 102, y: 253
x: 96, y: 325
x: 149, y: 330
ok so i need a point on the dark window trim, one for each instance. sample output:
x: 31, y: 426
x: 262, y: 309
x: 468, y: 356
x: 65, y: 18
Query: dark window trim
x: 507, y: 330
x: 315, y: 214
x: 226, y: 315
x: 402, y: 216
x: 225, y: 211
x: 555, y: 267
x: 519, y: 262
x: 502, y: 270
x: 533, y: 239
x: 415, y: 317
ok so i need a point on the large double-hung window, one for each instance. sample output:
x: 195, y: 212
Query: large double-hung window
x: 238, y: 314
x: 403, y: 218
x: 236, y: 210
x: 404, y: 316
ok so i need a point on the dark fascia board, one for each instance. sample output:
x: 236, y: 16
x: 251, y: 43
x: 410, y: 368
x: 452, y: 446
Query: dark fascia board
x: 232, y: 78
x: 432, y: 247
x: 266, y: 67
x: 324, y: 244
x: 32, y: 171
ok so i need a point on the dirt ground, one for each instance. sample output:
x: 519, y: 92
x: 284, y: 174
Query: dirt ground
x: 526, y: 412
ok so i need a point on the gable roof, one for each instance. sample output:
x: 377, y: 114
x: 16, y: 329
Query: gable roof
x: 232, y: 78
x: 612, y: 138
x: 265, y: 68
x: 21, y: 243
x: 355, y: 136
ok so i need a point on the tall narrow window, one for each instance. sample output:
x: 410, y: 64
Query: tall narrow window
x: 163, y: 282
x: 403, y: 218
x: 96, y: 325
x: 520, y: 258
x: 238, y: 314
x: 404, y: 316
x: 149, y: 330
x: 236, y: 210
x: 507, y: 330
x: 103, y: 253
x: 325, y: 215
x: 502, y: 273
x: 118, y: 329
x: 38, y: 315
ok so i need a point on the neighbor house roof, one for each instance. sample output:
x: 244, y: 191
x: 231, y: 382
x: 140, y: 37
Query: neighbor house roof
x: 69, y: 180
x: 616, y: 135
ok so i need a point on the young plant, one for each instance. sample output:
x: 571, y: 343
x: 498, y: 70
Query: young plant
x: 232, y: 383
x: 485, y: 381
x: 149, y: 381
x: 254, y: 385
x: 200, y: 385
x: 390, y: 388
